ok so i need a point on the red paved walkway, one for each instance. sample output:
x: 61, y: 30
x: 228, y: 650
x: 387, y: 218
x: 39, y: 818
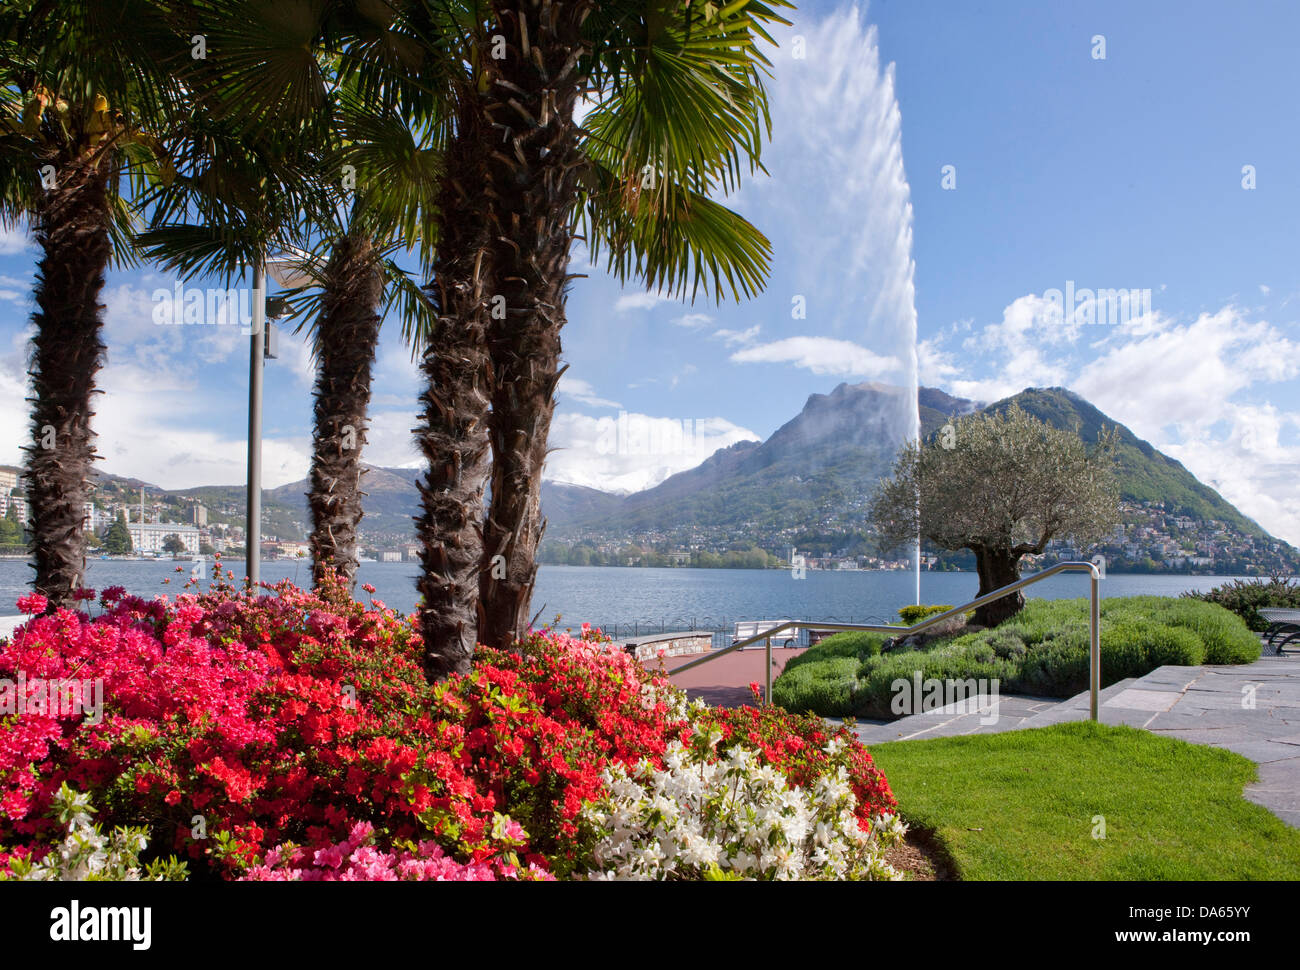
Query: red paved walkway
x: 724, y: 682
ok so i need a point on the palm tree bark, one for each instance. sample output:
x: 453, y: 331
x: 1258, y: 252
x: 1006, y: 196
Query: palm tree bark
x: 535, y: 171
x: 347, y: 335
x: 71, y: 226
x: 453, y: 433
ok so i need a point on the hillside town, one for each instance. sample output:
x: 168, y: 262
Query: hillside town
x: 1150, y: 539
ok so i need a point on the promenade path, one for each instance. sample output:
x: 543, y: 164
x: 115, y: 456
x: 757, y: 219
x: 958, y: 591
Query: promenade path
x: 724, y: 682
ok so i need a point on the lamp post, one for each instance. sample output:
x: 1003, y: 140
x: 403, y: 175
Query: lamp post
x: 287, y: 272
x: 256, y: 363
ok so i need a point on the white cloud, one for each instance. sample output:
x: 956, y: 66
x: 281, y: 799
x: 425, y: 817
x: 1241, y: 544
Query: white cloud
x: 693, y: 321
x: 582, y: 392
x: 13, y: 240
x: 821, y: 355
x: 1028, y: 318
x: 734, y: 338
x: 1186, y: 375
x: 934, y: 366
x: 639, y: 301
x: 633, y: 451
x: 1197, y: 391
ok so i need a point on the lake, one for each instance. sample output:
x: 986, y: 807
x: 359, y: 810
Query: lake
x: 628, y: 601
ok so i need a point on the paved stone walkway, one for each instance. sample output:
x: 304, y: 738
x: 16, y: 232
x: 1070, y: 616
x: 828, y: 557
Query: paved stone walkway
x: 1252, y: 709
x: 724, y: 682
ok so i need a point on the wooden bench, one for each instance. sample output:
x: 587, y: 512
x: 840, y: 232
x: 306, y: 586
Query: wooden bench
x: 752, y: 628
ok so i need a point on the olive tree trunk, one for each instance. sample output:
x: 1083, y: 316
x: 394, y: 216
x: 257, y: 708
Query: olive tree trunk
x: 997, y: 567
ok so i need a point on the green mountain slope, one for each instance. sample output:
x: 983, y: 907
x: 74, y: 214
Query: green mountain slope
x: 1145, y: 475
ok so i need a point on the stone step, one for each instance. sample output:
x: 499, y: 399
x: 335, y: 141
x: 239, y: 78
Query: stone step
x: 977, y: 715
x: 1080, y: 704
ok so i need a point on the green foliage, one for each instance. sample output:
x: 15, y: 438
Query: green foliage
x: 11, y: 530
x: 1226, y: 638
x: 1042, y: 651
x: 821, y: 687
x: 999, y: 482
x: 173, y: 543
x: 852, y: 643
x: 1246, y: 596
x: 914, y: 614
x: 117, y: 540
x: 1145, y: 475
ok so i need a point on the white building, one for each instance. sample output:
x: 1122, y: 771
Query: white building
x: 149, y: 536
x: 18, y: 502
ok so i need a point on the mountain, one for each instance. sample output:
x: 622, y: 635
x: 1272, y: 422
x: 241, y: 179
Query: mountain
x: 392, y: 501
x: 810, y: 484
x: 1146, y: 476
x: 820, y: 466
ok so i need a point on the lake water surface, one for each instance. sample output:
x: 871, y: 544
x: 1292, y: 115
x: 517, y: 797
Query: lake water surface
x: 627, y: 601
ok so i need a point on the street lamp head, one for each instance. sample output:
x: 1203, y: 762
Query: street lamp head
x: 289, y: 270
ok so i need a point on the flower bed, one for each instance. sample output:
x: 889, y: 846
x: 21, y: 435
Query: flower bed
x: 294, y: 736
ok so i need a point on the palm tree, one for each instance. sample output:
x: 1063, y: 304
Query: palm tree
x: 321, y: 84
x: 453, y: 430
x: 679, y: 109
x: 81, y: 85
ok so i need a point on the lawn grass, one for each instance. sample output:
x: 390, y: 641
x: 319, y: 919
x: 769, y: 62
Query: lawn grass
x: 1020, y: 805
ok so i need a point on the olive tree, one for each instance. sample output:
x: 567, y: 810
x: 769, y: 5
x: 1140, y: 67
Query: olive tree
x: 1002, y: 485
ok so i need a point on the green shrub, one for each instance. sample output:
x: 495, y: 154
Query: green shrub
x: 1245, y: 597
x: 912, y: 615
x: 1135, y: 647
x: 1007, y: 644
x: 1057, y: 666
x: 877, y: 676
x: 1042, y: 650
x: 851, y: 643
x: 823, y: 687
x: 1225, y: 637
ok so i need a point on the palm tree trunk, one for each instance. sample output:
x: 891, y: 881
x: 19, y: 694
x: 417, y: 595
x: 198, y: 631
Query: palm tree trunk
x: 536, y: 175
x: 453, y: 433
x: 71, y: 226
x: 347, y: 334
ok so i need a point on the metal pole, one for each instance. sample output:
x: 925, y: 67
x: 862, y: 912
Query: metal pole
x: 253, y: 531
x: 767, y: 691
x: 1094, y: 646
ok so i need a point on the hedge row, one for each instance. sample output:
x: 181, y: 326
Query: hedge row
x: 1043, y: 650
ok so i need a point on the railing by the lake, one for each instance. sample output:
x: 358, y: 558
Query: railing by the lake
x: 789, y: 628
x: 723, y: 627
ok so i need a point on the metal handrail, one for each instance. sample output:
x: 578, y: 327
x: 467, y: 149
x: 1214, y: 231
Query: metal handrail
x: 1094, y: 627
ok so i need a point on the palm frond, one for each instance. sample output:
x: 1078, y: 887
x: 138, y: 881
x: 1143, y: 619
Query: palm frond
x: 699, y: 242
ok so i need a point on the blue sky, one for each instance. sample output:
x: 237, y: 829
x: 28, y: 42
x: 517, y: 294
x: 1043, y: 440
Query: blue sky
x: 1117, y: 172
